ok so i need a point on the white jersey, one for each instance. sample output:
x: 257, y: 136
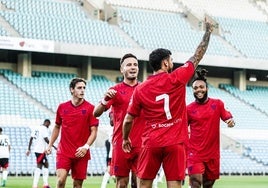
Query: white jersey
x: 39, y: 136
x: 4, y: 146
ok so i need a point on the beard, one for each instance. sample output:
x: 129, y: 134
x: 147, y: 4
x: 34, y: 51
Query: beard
x: 170, y: 69
x: 203, y: 99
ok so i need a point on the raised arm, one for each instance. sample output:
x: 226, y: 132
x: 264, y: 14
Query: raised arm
x: 202, y: 47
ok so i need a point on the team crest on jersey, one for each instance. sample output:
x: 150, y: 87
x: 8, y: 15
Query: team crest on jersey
x: 194, y: 111
x: 213, y: 106
x: 84, y: 112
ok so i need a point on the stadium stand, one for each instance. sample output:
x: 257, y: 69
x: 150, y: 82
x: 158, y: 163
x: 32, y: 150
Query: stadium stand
x: 169, y: 5
x: 256, y: 96
x: 58, y: 21
x: 139, y: 24
x: 255, y: 30
x: 219, y: 8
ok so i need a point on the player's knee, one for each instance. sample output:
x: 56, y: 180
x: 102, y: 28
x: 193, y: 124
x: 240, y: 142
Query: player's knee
x: 195, y: 183
x: 61, y: 183
x: 122, y: 182
x: 208, y: 183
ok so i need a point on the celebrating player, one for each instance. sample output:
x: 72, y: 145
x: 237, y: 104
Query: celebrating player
x: 161, y: 98
x: 204, y: 116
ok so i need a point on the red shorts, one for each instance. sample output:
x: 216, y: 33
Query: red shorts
x: 78, y: 166
x: 172, y: 158
x: 122, y: 163
x: 41, y: 158
x: 210, y: 169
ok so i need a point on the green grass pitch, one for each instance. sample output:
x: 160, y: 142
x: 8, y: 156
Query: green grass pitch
x: 95, y: 181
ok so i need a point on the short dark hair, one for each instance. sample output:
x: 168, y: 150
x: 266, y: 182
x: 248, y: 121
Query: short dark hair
x: 1, y: 129
x: 201, y: 75
x: 127, y: 56
x: 74, y: 81
x: 46, y: 120
x: 157, y: 56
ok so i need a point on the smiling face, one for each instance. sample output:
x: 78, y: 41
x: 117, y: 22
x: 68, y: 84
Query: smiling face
x: 130, y: 69
x: 200, y: 91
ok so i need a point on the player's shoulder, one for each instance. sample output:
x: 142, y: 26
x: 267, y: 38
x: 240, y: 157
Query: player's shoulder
x: 118, y: 85
x: 211, y: 99
x: 66, y: 103
x: 87, y: 104
x: 43, y: 128
x: 190, y: 105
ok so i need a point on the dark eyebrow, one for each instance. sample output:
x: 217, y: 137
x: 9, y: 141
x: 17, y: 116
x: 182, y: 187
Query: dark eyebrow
x: 82, y: 87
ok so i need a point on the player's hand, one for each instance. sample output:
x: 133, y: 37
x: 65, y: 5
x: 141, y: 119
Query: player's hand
x: 81, y: 152
x: 230, y: 123
x: 126, y: 146
x: 109, y: 94
x: 28, y: 152
x: 48, y: 150
x: 208, y: 25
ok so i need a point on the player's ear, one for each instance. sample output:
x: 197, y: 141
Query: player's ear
x: 165, y: 63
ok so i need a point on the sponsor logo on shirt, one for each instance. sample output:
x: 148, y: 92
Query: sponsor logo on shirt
x: 165, y: 125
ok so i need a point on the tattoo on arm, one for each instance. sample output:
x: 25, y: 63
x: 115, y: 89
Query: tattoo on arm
x: 201, y: 49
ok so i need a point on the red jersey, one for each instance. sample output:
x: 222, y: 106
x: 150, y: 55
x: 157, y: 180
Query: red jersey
x: 75, y: 122
x: 162, y: 99
x: 204, y: 121
x: 119, y: 105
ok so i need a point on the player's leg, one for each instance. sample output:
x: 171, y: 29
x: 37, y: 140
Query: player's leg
x: 146, y: 183
x: 122, y: 181
x: 133, y: 180
x: 63, y: 166
x: 208, y: 183
x: 174, y: 164
x: 212, y: 172
x: 150, y: 160
x: 4, y: 164
x: 61, y: 177
x: 195, y: 180
x: 4, y: 176
x: 105, y: 179
x: 106, y: 175
x: 133, y: 163
x: 120, y: 167
x: 45, y: 172
x: 37, y: 171
x: 79, y: 171
x: 196, y: 169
